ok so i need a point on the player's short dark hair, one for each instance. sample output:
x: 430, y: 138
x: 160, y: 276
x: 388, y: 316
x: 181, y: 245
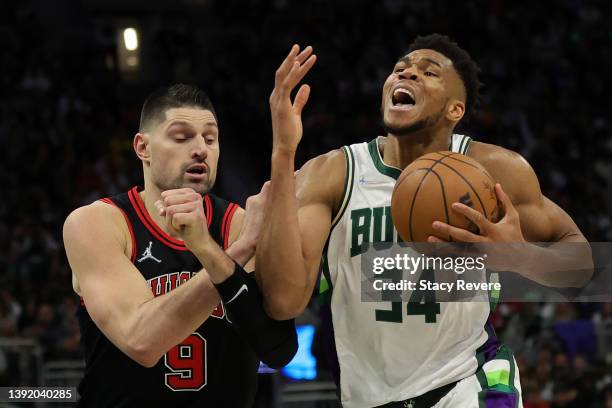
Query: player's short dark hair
x: 174, y: 96
x: 465, y: 66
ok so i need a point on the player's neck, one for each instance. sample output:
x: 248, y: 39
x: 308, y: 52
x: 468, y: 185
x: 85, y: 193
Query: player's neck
x: 400, y: 151
x: 149, y: 196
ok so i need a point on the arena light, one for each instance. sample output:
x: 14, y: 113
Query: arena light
x: 130, y: 39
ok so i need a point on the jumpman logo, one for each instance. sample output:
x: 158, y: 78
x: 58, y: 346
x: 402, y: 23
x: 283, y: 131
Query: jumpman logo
x: 148, y: 255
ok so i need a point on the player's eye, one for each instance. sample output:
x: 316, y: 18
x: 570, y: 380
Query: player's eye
x: 181, y: 137
x: 429, y: 73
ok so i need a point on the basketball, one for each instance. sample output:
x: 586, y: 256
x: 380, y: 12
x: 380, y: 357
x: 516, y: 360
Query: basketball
x: 427, y: 188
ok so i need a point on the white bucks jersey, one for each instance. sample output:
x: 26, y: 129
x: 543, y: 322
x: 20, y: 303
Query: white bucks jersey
x: 386, y: 351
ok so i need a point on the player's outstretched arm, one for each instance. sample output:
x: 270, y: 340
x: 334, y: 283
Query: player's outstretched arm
x: 274, y: 341
x: 296, y: 227
x: 117, y: 296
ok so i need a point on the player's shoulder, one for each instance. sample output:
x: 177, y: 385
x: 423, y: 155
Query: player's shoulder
x: 322, y: 178
x: 93, y: 218
x: 332, y: 160
x: 498, y: 159
x: 508, y: 168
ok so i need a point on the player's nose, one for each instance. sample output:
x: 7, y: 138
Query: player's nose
x: 200, y: 148
x: 409, y: 72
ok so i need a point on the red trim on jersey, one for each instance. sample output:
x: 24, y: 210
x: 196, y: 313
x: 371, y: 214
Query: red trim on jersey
x: 208, y: 208
x: 227, y: 222
x: 129, y: 224
x: 148, y: 222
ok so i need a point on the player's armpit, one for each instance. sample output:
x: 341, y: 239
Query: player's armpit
x: 298, y: 223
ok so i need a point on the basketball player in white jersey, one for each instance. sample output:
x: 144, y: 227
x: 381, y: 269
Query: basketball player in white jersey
x: 388, y: 355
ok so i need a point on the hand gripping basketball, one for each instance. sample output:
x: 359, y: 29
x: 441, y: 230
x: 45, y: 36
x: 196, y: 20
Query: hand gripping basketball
x: 427, y: 188
x: 286, y: 116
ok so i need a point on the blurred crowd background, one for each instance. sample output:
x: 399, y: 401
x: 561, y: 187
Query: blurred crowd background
x: 68, y: 115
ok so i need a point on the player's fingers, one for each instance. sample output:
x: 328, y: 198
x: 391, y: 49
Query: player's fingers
x: 301, y: 98
x: 284, y: 89
x: 296, y: 75
x: 183, y: 208
x: 475, y: 216
x: 182, y: 219
x: 285, y: 66
x: 458, y: 234
x: 161, y: 209
x: 302, y: 56
x: 180, y: 198
x: 265, y: 188
x: 177, y: 191
x: 435, y: 240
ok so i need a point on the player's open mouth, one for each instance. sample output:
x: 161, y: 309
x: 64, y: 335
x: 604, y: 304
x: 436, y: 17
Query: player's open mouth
x: 402, y: 99
x: 197, y: 170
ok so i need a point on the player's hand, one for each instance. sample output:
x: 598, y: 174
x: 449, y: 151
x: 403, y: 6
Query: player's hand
x: 286, y: 115
x: 184, y: 212
x: 508, y: 229
x: 253, y: 220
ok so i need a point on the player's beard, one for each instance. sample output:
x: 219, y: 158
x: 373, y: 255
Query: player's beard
x: 202, y: 187
x: 413, y: 127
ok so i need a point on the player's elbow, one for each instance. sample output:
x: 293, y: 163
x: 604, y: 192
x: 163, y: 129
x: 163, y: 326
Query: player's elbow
x: 284, y: 307
x: 582, y: 278
x: 142, y: 353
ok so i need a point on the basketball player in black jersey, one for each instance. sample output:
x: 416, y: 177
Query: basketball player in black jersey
x: 167, y: 317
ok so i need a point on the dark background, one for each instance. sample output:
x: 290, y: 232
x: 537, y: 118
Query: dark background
x: 68, y: 116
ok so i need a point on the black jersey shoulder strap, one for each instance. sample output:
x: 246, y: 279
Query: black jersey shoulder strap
x: 219, y: 215
x: 121, y: 202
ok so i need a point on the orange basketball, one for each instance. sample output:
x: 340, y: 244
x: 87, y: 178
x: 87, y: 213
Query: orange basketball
x: 426, y: 189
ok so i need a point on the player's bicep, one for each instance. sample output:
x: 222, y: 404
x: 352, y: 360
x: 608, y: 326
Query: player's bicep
x: 111, y: 286
x: 319, y: 186
x: 315, y: 223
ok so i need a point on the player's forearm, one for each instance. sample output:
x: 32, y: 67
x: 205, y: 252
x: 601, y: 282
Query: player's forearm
x: 240, y: 252
x: 164, y: 321
x: 279, y: 261
x: 567, y: 263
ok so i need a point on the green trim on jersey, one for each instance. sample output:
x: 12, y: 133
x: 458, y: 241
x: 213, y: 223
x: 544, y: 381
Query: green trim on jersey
x: 348, y: 184
x: 326, y: 274
x: 380, y: 165
x: 468, y: 140
x: 325, y: 285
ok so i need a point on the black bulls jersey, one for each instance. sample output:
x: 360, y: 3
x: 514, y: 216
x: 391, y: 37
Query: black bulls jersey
x: 213, y: 367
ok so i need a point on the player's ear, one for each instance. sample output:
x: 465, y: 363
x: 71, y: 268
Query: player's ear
x: 455, y: 110
x: 141, y: 146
